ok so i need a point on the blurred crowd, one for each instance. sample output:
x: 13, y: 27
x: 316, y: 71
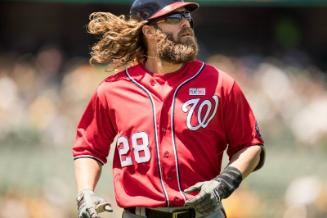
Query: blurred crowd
x: 288, y: 95
x: 45, y: 94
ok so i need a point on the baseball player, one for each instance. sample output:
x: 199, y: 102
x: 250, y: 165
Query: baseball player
x: 172, y: 115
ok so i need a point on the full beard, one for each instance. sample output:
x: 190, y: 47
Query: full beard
x: 184, y: 49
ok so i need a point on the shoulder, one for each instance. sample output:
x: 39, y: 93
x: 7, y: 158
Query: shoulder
x: 213, y: 73
x: 116, y: 80
x: 222, y: 74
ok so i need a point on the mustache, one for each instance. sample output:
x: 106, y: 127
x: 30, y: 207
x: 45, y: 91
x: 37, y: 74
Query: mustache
x: 186, y: 31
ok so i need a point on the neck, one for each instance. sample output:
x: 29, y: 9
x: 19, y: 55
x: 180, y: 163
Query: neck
x: 155, y: 65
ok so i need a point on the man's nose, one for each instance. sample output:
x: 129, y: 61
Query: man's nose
x: 185, y: 23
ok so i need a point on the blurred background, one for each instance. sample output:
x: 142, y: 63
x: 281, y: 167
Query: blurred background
x: 275, y: 49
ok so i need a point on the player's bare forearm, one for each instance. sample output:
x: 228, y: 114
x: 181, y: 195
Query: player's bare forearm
x: 87, y: 173
x: 247, y: 159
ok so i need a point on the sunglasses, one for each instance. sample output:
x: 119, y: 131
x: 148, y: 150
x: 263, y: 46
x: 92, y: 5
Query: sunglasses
x: 176, y: 17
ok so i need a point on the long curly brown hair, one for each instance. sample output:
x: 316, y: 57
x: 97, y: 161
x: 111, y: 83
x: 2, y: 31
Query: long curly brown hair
x: 121, y: 39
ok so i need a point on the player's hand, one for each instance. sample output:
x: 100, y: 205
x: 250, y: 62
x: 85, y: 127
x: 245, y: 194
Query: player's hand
x: 207, y: 199
x: 212, y: 192
x: 90, y: 205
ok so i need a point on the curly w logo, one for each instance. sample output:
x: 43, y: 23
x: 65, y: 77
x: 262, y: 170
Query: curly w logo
x: 205, y: 112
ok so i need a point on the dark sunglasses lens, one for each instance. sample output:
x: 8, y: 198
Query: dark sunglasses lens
x: 177, y: 17
x: 174, y: 18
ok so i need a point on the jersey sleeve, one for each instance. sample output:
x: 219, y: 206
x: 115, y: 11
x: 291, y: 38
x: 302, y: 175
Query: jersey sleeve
x: 240, y: 124
x: 95, y: 131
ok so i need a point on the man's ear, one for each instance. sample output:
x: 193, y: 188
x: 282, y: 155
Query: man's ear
x: 148, y: 31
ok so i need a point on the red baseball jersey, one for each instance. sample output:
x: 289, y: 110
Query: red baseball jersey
x: 172, y: 130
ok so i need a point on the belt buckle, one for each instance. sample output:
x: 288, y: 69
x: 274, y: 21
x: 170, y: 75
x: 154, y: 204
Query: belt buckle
x: 177, y: 213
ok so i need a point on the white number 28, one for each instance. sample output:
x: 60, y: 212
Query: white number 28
x: 140, y: 142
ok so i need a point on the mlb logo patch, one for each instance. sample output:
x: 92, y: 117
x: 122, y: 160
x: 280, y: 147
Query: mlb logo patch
x: 197, y: 91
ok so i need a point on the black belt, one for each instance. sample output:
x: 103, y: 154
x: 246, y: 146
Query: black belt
x: 151, y: 213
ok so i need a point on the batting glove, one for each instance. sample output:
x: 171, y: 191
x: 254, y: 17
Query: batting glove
x: 87, y: 202
x: 212, y: 192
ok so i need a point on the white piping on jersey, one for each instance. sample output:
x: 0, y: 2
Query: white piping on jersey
x: 173, y: 127
x: 155, y: 132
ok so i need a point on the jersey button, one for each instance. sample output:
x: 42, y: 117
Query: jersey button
x: 163, y: 130
x: 169, y: 176
x: 166, y: 154
x: 177, y: 201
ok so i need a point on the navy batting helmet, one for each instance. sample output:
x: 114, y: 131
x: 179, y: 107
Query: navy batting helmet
x: 152, y: 9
